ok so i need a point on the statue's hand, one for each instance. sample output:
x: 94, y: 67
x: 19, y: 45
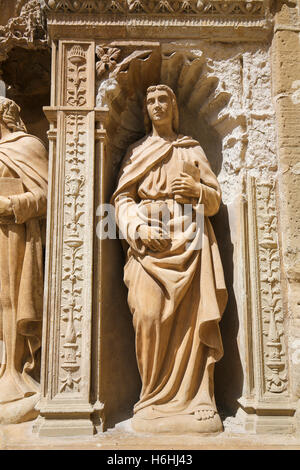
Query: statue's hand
x: 5, y: 206
x: 153, y: 238
x: 185, y: 185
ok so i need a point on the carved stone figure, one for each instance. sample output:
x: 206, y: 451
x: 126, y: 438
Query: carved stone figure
x: 23, y: 204
x: 176, y: 290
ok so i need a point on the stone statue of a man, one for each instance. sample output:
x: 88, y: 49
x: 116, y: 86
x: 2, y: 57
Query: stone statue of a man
x: 23, y: 204
x: 176, y: 295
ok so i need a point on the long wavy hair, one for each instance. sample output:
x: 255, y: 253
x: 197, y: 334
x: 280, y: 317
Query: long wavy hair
x: 10, y: 115
x: 147, y: 120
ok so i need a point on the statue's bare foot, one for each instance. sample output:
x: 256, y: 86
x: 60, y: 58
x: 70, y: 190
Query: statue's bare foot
x: 205, y: 413
x: 205, y: 419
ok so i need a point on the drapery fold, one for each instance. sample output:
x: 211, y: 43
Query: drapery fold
x: 21, y: 263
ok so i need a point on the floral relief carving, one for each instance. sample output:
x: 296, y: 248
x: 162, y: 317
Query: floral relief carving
x: 107, y: 60
x: 85, y: 5
x: 76, y: 78
x: 271, y: 302
x: 72, y: 275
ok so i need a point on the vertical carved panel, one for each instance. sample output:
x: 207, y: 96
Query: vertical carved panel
x: 270, y: 369
x: 275, y: 374
x: 76, y: 76
x: 72, y: 305
x: 77, y: 229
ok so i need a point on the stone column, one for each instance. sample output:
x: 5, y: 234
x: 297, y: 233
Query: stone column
x: 66, y: 405
x: 286, y: 91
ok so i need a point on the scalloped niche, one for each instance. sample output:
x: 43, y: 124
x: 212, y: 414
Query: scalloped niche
x: 224, y: 98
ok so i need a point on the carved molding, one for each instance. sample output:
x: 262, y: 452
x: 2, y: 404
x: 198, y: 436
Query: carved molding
x: 226, y: 21
x: 164, y: 7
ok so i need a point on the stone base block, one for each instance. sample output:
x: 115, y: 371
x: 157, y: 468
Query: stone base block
x: 65, y: 427
x: 58, y: 419
x: 265, y: 422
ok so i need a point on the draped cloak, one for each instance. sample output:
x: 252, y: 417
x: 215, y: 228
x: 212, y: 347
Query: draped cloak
x: 176, y: 296
x: 21, y: 263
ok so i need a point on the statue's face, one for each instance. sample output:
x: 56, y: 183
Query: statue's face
x: 159, y: 106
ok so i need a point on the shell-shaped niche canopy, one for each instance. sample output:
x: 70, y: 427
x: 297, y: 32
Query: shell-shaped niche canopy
x: 201, y: 97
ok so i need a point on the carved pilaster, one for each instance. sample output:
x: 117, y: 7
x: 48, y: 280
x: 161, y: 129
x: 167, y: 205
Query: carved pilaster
x: 66, y: 406
x: 266, y: 402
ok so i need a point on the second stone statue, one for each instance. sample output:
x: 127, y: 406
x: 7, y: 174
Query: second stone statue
x: 174, y: 275
x: 23, y: 206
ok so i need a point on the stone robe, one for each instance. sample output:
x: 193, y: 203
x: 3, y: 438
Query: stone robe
x: 176, y: 296
x: 21, y: 264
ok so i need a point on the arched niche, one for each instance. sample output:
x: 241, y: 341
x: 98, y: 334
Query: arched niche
x: 202, y: 100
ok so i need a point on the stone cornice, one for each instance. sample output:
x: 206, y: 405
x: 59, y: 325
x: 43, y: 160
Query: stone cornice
x: 214, y: 20
x: 106, y: 27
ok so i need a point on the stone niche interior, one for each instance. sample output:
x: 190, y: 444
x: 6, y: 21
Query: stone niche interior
x: 224, y: 98
x: 26, y: 74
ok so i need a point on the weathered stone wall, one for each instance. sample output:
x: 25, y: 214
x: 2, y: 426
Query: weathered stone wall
x: 239, y: 96
x: 286, y: 71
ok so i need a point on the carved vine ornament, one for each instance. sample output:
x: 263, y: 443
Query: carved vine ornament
x: 271, y: 300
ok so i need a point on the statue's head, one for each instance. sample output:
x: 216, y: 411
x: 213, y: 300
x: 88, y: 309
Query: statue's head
x: 174, y: 108
x: 10, y: 115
